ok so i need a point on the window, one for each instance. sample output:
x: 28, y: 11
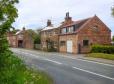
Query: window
x: 62, y: 43
x: 95, y: 28
x: 50, y: 33
x: 74, y: 27
x: 55, y: 32
x: 85, y: 42
x: 67, y: 30
x: 70, y: 29
x: 55, y: 43
x: 63, y: 31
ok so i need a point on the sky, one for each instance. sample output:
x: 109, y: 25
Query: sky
x: 33, y: 14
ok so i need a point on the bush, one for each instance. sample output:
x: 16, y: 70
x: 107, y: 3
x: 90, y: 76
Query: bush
x: 13, y: 71
x: 52, y: 49
x: 102, y: 49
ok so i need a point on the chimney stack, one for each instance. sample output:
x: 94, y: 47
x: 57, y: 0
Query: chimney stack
x: 68, y: 18
x: 23, y: 28
x: 49, y: 23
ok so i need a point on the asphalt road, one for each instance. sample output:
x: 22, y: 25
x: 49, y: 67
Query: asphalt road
x: 65, y: 69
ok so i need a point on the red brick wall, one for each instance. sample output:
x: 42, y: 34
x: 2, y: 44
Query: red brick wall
x: 28, y: 41
x: 72, y: 37
x: 11, y: 39
x: 25, y: 37
x: 101, y: 36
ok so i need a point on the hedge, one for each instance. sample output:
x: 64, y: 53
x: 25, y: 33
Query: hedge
x: 102, y: 49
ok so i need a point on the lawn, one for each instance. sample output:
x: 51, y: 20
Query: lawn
x: 101, y: 55
x: 13, y: 71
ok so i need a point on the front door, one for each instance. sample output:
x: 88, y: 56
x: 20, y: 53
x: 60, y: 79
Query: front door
x: 69, y: 46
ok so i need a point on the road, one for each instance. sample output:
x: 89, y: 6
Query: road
x: 65, y: 69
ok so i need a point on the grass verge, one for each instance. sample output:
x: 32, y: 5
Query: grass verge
x: 101, y: 55
x: 13, y: 71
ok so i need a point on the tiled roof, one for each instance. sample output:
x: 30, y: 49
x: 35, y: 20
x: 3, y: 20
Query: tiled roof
x: 18, y: 32
x: 78, y: 23
x: 48, y: 28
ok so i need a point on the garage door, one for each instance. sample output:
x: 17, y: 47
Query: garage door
x: 69, y: 46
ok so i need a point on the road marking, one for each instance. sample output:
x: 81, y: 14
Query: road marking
x: 44, y: 58
x: 79, y: 68
x: 96, y: 62
x: 89, y: 61
x: 78, y: 59
x: 93, y: 73
x: 53, y: 61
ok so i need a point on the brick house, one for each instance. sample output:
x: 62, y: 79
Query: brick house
x: 11, y: 37
x: 20, y: 39
x: 49, y: 37
x: 78, y: 36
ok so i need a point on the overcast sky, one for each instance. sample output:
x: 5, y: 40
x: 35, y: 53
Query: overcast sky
x: 34, y: 13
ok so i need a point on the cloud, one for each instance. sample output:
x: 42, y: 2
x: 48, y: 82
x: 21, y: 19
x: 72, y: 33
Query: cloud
x: 34, y: 13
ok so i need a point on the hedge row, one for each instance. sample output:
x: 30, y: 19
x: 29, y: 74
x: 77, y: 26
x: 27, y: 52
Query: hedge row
x: 102, y: 49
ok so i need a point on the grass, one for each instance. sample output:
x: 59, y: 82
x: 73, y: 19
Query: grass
x: 101, y: 55
x: 13, y: 71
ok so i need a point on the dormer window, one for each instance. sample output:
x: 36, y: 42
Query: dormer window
x: 70, y: 29
x: 67, y: 30
x: 63, y: 31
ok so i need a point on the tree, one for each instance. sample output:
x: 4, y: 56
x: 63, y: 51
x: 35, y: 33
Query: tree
x: 37, y: 39
x: 112, y: 11
x: 35, y: 36
x: 8, y: 13
x: 113, y: 38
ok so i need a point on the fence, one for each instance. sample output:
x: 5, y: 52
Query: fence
x: 37, y: 46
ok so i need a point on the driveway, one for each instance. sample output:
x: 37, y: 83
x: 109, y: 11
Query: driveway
x: 64, y: 69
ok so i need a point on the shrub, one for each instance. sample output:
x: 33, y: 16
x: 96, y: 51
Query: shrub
x: 52, y: 49
x: 103, y: 49
x: 13, y: 71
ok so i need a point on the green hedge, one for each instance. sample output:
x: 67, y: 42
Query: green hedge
x: 102, y: 49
